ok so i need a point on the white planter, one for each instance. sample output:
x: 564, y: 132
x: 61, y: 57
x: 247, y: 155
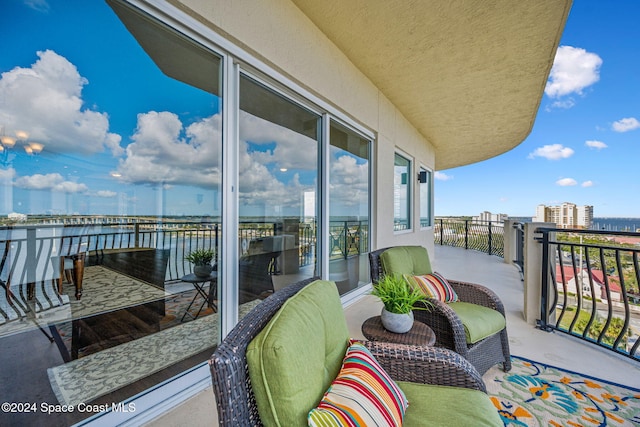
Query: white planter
x: 394, y: 322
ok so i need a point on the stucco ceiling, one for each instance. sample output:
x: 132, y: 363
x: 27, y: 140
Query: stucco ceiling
x: 468, y: 74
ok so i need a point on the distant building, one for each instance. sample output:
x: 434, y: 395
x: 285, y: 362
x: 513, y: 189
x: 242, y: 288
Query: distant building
x: 567, y: 215
x: 565, y: 276
x: 14, y: 216
x: 488, y: 216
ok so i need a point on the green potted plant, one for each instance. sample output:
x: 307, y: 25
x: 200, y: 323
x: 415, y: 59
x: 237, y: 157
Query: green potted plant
x: 201, y: 259
x: 399, y: 300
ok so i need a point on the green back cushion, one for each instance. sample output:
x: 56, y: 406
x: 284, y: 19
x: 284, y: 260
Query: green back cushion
x: 412, y: 260
x: 479, y: 322
x: 432, y: 405
x: 296, y: 356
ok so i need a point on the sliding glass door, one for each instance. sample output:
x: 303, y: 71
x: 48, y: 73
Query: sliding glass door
x: 349, y: 194
x: 278, y: 190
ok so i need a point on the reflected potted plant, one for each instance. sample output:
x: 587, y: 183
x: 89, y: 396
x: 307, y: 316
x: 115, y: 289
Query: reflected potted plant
x: 201, y: 260
x: 399, y: 300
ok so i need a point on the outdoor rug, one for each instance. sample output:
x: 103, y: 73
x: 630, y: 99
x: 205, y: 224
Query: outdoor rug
x: 535, y: 394
x: 90, y: 377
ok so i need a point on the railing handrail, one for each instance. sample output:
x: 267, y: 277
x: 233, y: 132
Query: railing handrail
x: 557, y: 295
x: 178, y: 236
x: 482, y: 235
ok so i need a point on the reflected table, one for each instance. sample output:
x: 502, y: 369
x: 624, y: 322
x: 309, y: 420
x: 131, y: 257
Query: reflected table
x: 199, y: 284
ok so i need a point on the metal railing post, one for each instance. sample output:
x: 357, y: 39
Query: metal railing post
x: 490, y: 243
x: 466, y: 234
x: 136, y: 233
x: 544, y: 309
x: 346, y: 240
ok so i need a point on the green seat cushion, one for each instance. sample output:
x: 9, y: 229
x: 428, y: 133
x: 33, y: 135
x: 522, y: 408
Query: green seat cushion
x: 479, y: 322
x: 406, y: 260
x: 294, y: 359
x: 434, y: 406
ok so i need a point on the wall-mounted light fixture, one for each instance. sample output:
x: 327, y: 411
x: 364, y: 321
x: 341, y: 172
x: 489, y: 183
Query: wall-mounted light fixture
x: 422, y: 177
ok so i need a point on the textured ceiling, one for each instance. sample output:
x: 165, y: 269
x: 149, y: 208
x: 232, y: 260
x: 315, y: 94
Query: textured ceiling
x: 468, y: 74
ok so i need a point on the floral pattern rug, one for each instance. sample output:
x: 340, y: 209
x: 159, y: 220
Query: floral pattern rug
x: 535, y: 394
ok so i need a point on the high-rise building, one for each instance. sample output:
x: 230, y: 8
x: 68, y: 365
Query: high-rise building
x: 488, y: 216
x: 567, y: 215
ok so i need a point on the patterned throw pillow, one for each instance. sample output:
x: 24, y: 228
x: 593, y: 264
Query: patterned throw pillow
x: 433, y: 286
x: 362, y: 394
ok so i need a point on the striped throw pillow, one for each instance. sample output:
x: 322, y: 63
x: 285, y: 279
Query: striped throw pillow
x: 362, y: 394
x: 433, y: 286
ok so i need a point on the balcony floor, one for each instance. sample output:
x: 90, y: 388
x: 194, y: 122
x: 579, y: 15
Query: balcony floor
x: 526, y: 341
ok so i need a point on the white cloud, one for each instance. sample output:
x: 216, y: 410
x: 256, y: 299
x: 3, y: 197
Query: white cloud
x: 38, y: 5
x: 587, y: 184
x: 292, y: 150
x: 70, y: 187
x: 598, y: 145
x: 7, y: 174
x: 349, y: 180
x: 626, y: 124
x: 564, y: 104
x: 106, y: 193
x: 51, y: 181
x: 566, y: 182
x: 552, y: 152
x: 574, y: 69
x: 46, y: 101
x: 441, y: 176
x: 163, y: 151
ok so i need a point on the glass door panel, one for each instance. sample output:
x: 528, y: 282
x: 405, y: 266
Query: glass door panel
x: 109, y: 176
x: 278, y: 176
x: 349, y: 195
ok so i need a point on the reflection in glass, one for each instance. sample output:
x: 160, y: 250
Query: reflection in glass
x: 278, y: 192
x: 425, y: 197
x: 401, y: 193
x: 348, y: 208
x: 96, y: 299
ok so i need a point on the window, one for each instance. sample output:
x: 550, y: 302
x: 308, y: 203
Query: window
x: 424, y: 178
x: 121, y: 183
x: 401, y: 193
x: 349, y: 194
x: 278, y: 156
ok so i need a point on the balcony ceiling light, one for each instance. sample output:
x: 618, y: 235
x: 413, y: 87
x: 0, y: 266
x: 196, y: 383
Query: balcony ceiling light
x: 8, y: 141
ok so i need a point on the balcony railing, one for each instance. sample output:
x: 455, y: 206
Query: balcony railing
x: 26, y: 251
x: 484, y: 236
x: 590, y: 287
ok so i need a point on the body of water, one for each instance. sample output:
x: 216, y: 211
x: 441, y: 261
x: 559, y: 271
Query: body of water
x: 602, y: 223
x: 616, y: 224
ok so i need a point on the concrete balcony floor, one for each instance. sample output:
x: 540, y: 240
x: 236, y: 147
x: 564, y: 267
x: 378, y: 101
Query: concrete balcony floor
x: 526, y: 341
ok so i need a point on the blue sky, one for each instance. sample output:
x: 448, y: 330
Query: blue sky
x: 102, y: 117
x: 585, y: 144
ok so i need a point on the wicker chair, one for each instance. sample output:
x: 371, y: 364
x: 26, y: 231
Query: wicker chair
x: 235, y: 399
x: 448, y: 327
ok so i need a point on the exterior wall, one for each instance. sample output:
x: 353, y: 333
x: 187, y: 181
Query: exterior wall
x: 280, y: 35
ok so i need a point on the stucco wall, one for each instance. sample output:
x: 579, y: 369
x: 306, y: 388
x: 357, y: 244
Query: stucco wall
x: 281, y: 36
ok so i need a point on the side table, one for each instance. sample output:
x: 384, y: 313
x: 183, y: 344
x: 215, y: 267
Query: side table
x: 419, y: 334
x: 199, y: 284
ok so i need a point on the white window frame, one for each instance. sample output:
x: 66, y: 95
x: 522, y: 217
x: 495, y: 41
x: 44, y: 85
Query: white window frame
x: 430, y: 172
x: 410, y: 190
